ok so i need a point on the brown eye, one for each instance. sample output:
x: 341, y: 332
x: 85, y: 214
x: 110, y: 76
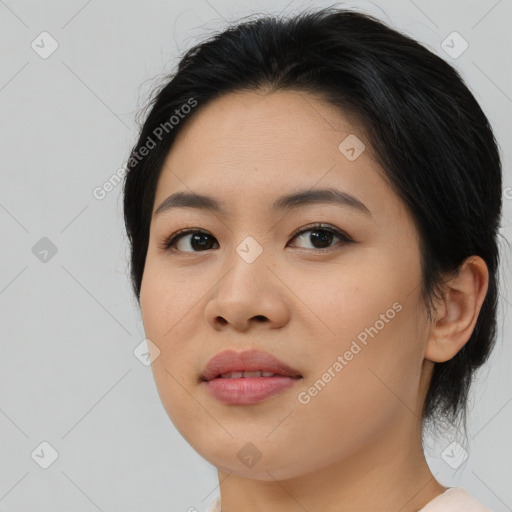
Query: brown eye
x: 321, y: 236
x: 198, y: 241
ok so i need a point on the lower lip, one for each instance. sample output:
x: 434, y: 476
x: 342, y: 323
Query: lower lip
x: 248, y: 390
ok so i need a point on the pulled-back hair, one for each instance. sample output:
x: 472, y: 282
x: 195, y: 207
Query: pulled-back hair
x: 426, y: 129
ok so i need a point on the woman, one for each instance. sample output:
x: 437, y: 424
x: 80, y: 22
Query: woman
x: 313, y: 207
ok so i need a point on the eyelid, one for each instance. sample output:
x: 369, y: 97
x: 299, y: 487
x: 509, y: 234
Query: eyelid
x: 321, y: 226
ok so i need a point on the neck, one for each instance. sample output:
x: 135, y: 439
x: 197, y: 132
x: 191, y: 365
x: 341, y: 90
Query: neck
x: 389, y: 473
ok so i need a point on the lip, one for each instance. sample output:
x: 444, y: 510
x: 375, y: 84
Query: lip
x: 248, y: 360
x: 247, y: 390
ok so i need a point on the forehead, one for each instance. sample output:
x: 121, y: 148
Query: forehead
x: 262, y: 125
x: 251, y: 147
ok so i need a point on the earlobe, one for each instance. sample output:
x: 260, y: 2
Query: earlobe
x: 457, y: 313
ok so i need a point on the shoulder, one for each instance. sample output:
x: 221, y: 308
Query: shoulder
x: 455, y: 499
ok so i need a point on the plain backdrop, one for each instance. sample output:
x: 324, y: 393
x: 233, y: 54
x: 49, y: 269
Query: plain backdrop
x: 73, y: 394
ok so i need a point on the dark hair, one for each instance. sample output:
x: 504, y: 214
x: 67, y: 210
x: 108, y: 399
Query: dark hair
x: 426, y: 129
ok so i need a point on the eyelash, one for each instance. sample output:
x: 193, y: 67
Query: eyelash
x: 171, y: 240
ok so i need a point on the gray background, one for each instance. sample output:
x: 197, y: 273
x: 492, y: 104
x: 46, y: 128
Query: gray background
x: 68, y: 322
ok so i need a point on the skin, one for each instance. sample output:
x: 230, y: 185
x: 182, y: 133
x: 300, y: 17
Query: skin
x: 356, y: 445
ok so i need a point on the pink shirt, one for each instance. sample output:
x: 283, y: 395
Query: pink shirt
x: 454, y: 499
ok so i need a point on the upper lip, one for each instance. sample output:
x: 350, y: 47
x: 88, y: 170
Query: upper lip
x: 249, y: 360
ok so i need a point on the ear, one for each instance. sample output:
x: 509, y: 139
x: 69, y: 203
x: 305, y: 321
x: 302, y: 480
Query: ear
x: 456, y: 314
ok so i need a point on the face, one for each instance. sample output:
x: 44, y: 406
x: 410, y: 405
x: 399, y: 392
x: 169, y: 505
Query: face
x: 331, y: 288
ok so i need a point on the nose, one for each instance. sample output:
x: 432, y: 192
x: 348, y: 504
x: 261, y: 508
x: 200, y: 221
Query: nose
x: 248, y: 293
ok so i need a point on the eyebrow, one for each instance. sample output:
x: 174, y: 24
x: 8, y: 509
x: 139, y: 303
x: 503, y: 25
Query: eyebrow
x: 288, y: 202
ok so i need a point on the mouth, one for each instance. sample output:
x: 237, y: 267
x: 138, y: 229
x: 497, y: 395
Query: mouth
x: 247, y: 378
x: 248, y: 374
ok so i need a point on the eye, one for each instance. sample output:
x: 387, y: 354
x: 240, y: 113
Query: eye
x: 200, y: 239
x: 321, y: 235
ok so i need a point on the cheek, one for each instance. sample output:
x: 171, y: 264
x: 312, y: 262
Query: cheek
x: 355, y: 299
x: 169, y: 317
x: 376, y: 368
x: 164, y: 308
x: 367, y: 336
x: 374, y: 386
x: 167, y: 299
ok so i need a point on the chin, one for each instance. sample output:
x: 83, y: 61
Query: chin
x: 244, y: 459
